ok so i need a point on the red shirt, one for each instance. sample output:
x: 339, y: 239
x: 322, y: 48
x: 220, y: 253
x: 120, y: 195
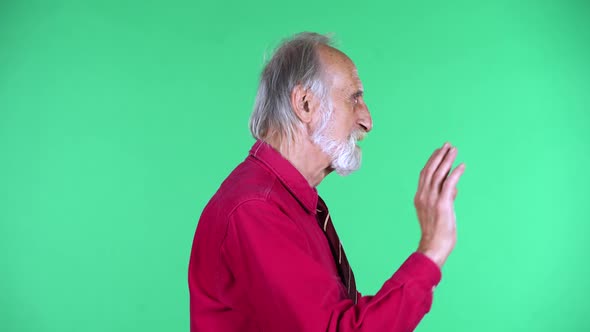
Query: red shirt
x: 260, y: 262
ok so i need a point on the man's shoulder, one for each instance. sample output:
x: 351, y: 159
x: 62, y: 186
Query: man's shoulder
x: 249, y: 181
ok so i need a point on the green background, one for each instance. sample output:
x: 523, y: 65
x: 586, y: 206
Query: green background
x: 119, y: 120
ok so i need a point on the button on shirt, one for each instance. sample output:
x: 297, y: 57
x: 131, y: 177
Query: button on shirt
x: 260, y: 262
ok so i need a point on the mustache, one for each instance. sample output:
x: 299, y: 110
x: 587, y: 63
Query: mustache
x: 358, y: 135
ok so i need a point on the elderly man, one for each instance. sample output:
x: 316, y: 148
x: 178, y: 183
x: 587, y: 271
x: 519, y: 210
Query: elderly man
x: 265, y: 255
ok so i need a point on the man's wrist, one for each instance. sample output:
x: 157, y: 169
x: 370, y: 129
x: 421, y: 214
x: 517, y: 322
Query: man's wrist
x: 435, y: 256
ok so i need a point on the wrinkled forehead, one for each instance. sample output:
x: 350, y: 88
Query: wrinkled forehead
x: 338, y: 68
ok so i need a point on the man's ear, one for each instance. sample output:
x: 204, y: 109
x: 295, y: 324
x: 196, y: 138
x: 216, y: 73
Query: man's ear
x: 304, y: 103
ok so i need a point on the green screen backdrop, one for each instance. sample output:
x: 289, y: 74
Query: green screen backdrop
x: 119, y: 120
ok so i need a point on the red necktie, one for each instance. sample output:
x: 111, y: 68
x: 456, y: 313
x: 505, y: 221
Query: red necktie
x: 323, y: 217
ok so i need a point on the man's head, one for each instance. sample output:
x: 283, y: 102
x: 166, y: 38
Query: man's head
x: 311, y: 92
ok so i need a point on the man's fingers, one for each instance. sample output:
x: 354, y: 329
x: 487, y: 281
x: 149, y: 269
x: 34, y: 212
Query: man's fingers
x: 432, y: 165
x: 423, y: 172
x: 443, y: 169
x: 451, y: 182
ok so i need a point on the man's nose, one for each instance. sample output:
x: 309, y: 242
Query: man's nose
x: 365, y: 120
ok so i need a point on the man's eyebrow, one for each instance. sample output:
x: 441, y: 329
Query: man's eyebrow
x: 357, y: 94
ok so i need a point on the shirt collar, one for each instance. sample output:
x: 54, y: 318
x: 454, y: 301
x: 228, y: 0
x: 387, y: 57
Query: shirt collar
x: 289, y: 176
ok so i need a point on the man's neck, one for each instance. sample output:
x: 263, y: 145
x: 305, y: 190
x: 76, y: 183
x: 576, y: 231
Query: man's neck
x: 306, y: 157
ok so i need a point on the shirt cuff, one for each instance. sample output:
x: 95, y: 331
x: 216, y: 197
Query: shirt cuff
x: 421, y: 268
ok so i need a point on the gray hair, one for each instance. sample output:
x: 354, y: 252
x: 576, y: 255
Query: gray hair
x: 295, y: 62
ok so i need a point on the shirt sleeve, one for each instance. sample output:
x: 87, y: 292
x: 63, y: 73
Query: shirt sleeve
x: 286, y: 289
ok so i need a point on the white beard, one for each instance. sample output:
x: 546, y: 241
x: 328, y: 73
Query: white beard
x: 345, y: 155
